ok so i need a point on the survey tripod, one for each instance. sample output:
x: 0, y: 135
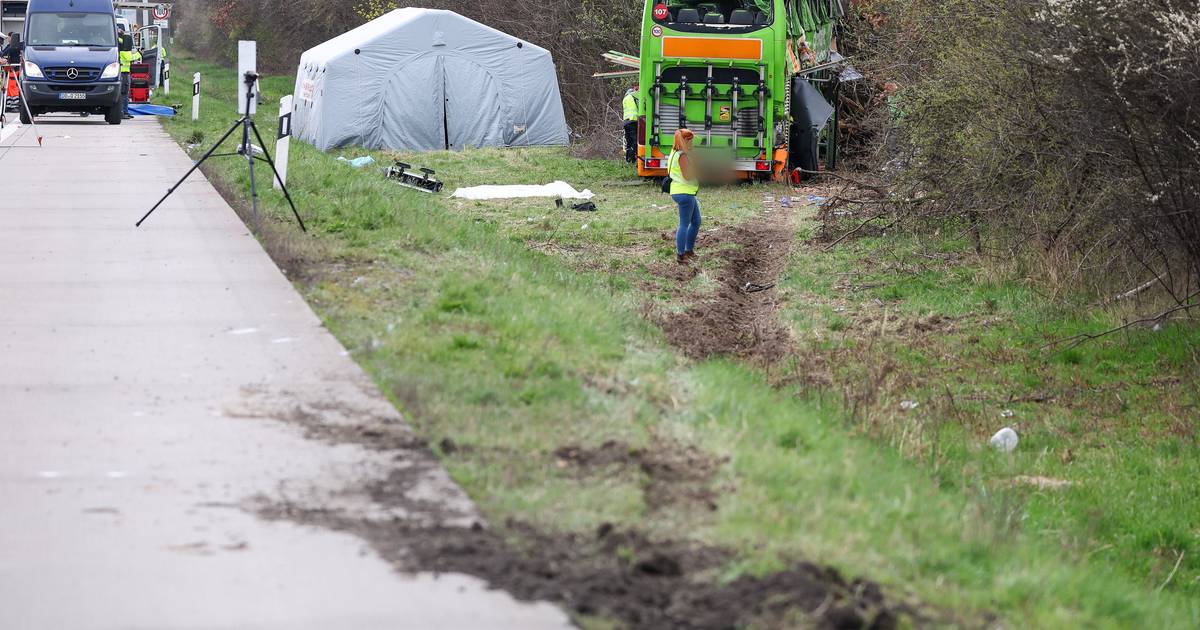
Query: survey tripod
x: 9, y: 70
x: 246, y: 150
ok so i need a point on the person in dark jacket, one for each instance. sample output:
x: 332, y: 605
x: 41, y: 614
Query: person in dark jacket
x: 13, y: 52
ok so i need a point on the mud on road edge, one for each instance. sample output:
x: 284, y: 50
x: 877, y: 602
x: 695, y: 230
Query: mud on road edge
x: 616, y: 574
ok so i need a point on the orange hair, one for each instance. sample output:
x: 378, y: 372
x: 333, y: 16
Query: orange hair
x: 682, y: 136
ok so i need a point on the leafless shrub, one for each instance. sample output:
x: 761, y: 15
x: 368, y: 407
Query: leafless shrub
x: 1063, y: 133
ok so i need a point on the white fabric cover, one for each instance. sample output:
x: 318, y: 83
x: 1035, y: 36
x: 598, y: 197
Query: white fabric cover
x: 427, y: 80
x: 517, y: 191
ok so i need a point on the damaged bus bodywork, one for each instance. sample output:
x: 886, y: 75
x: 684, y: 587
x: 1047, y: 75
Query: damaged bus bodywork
x: 753, y: 79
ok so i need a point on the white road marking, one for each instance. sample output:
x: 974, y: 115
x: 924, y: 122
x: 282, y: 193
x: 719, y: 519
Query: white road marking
x: 9, y: 130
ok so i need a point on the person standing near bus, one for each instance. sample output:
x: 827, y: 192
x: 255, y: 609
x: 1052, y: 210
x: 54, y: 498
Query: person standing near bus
x: 127, y: 56
x: 685, y: 187
x: 629, y: 111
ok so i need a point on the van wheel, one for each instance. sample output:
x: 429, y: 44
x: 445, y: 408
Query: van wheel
x: 24, y: 113
x: 114, y: 115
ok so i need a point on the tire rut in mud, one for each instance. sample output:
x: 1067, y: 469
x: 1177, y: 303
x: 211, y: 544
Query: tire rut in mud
x: 740, y: 318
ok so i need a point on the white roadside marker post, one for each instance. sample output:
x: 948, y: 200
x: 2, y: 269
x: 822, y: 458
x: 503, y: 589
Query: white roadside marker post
x: 196, y: 97
x: 284, y: 141
x: 247, y: 62
x: 166, y: 77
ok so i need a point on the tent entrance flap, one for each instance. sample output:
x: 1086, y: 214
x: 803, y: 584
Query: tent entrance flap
x: 473, y: 105
x: 415, y: 117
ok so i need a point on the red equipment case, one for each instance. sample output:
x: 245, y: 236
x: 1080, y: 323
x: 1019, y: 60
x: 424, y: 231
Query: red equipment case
x: 139, y: 82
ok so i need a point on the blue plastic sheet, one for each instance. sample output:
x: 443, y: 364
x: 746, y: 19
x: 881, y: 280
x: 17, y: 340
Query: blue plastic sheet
x: 150, y: 110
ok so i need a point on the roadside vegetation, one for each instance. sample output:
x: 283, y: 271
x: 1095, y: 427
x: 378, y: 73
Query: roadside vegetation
x: 526, y: 344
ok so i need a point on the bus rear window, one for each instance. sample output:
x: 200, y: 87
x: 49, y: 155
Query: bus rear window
x: 728, y: 15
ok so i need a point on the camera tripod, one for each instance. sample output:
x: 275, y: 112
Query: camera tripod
x: 246, y: 124
x: 9, y: 71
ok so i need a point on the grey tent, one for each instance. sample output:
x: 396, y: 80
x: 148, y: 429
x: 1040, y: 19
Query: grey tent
x: 425, y: 79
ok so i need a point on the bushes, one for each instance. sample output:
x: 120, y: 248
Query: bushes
x: 1063, y: 128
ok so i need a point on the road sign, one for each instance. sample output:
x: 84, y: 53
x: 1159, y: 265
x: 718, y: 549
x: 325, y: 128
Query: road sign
x: 161, y: 11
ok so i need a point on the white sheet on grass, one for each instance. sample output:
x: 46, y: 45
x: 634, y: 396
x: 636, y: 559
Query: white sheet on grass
x: 556, y: 189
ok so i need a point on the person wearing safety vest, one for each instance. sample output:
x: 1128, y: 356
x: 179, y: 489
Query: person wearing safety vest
x: 685, y: 186
x: 127, y: 56
x: 629, y: 107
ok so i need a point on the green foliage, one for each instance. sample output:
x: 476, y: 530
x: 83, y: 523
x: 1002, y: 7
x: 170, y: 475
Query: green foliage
x: 511, y: 329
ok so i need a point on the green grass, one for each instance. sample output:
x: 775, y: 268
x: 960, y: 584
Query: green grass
x: 513, y: 329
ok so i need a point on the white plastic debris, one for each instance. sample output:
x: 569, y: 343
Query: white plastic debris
x: 555, y: 189
x: 1007, y: 413
x: 1005, y: 440
x: 909, y: 405
x: 359, y: 162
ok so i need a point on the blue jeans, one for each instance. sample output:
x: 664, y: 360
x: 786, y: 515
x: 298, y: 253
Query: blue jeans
x: 125, y: 93
x: 689, y: 222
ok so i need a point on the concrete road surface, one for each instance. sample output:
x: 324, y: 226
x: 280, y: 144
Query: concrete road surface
x: 147, y: 379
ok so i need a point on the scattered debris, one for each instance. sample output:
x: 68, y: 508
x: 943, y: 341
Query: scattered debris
x: 909, y: 405
x: 583, y: 206
x: 1005, y: 440
x: 1007, y: 413
x: 752, y: 287
x: 359, y: 162
x: 425, y: 182
x: 519, y: 191
x: 254, y: 149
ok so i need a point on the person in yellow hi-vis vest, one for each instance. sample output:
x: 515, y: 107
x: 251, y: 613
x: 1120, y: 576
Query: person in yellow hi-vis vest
x: 629, y: 112
x: 127, y: 56
x: 685, y: 186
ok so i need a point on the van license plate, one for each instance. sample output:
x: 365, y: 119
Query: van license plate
x: 71, y: 96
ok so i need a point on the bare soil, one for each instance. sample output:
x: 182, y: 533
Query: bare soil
x: 621, y: 575
x: 739, y: 318
x: 673, y: 474
x: 626, y: 577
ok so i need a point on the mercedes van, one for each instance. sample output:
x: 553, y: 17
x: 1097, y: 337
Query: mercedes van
x: 71, y: 60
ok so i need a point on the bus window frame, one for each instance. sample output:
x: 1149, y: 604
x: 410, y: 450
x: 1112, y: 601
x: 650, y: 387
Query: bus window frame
x: 716, y: 29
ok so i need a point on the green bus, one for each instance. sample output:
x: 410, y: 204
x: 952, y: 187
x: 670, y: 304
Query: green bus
x: 752, y: 79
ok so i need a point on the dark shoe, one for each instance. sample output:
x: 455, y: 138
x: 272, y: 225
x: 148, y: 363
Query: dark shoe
x: 681, y: 259
x: 689, y: 255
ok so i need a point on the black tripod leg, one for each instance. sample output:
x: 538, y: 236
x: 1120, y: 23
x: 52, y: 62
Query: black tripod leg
x: 275, y: 171
x: 250, y: 163
x: 189, y: 173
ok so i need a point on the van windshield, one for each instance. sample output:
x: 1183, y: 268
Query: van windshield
x: 72, y: 29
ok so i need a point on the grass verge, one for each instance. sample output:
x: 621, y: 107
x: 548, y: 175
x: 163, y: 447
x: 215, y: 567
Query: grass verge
x: 511, y: 333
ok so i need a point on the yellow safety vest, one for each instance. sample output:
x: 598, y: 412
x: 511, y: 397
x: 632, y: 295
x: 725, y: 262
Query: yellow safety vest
x: 630, y: 105
x: 679, y: 185
x: 127, y: 59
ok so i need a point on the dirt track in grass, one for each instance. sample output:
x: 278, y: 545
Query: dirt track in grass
x: 740, y: 318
